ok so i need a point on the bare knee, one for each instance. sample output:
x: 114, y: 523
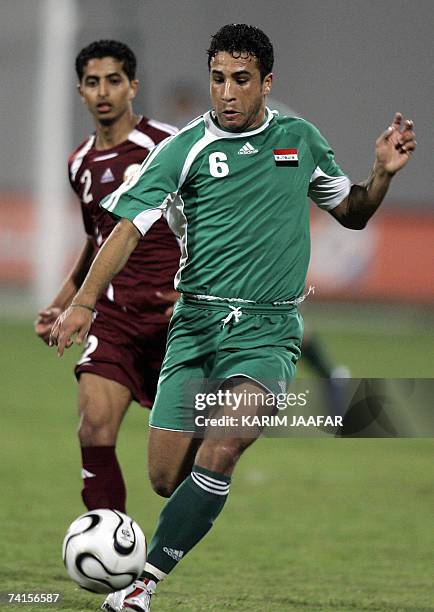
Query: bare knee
x: 162, y: 483
x: 102, y: 405
x: 218, y: 456
x: 221, y: 455
x: 94, y: 428
x: 170, y: 458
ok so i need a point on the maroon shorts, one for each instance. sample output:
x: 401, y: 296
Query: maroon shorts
x: 123, y: 348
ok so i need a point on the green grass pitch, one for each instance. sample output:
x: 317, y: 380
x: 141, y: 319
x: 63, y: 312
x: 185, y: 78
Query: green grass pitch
x: 310, y: 524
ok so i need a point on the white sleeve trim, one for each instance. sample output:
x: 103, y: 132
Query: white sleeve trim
x: 164, y: 127
x: 146, y: 219
x: 141, y: 139
x: 328, y: 191
x: 80, y: 155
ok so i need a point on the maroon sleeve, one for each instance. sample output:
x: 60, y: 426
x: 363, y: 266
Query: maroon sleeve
x: 85, y: 212
x: 87, y: 219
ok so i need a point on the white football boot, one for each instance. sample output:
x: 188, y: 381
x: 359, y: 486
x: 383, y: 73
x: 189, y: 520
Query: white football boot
x: 136, y: 597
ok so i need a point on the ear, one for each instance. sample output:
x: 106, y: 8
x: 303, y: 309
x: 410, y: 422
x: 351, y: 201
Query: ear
x: 134, y: 86
x: 268, y: 80
x: 80, y: 92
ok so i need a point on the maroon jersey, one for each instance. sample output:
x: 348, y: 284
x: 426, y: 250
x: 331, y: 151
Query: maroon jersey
x: 152, y: 266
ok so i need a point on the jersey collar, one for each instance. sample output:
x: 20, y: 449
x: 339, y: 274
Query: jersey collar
x: 217, y: 131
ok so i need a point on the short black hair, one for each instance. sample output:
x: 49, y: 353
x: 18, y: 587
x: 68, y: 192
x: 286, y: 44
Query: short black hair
x: 107, y: 48
x: 238, y: 38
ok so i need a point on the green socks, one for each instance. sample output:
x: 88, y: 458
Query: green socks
x: 188, y: 515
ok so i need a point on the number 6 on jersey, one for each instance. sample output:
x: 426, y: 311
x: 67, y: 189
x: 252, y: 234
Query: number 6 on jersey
x: 217, y: 165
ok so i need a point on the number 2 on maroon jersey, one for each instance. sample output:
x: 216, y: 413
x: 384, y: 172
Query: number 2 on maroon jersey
x: 86, y: 180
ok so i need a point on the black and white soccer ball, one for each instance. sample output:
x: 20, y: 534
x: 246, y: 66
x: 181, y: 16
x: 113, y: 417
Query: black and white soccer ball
x: 104, y: 550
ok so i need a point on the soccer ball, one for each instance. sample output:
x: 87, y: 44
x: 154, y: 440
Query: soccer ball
x: 104, y: 550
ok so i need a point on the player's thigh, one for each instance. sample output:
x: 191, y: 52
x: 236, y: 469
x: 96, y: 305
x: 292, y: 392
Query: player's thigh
x: 102, y: 405
x: 171, y: 456
x: 235, y: 430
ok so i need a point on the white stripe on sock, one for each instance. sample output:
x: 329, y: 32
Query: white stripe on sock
x: 211, y: 482
x: 208, y: 489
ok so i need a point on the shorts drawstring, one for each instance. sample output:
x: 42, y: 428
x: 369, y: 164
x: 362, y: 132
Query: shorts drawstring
x: 236, y: 313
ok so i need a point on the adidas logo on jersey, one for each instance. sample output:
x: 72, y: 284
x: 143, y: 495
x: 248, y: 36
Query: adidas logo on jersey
x: 107, y: 177
x: 175, y: 554
x: 247, y: 149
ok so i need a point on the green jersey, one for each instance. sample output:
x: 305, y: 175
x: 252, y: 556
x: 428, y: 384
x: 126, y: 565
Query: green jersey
x: 238, y: 202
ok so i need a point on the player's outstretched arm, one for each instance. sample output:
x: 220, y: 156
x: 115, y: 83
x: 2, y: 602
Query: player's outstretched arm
x: 73, y: 324
x: 72, y: 282
x: 393, y: 150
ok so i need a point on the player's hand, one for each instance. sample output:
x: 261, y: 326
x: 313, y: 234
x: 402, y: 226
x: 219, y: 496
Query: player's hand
x: 44, y: 322
x: 170, y: 297
x: 394, y: 147
x: 71, y: 326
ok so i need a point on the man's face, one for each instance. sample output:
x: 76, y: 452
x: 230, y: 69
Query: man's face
x: 237, y: 92
x: 106, y: 90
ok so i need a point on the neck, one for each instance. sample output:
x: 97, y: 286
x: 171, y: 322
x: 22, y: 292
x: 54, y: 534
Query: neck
x: 260, y: 118
x: 112, y: 134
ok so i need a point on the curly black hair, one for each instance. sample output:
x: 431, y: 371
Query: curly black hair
x: 237, y: 38
x: 107, y: 48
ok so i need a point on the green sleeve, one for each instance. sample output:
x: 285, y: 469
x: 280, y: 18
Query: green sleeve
x: 151, y: 188
x: 322, y: 153
x: 329, y: 185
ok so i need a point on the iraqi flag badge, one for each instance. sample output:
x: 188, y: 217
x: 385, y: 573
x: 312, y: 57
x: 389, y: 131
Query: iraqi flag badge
x: 285, y: 157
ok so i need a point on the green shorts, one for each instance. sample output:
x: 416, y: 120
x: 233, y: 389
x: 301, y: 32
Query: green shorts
x: 209, y: 342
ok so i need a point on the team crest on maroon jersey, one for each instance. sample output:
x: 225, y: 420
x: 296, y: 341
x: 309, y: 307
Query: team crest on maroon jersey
x: 131, y: 173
